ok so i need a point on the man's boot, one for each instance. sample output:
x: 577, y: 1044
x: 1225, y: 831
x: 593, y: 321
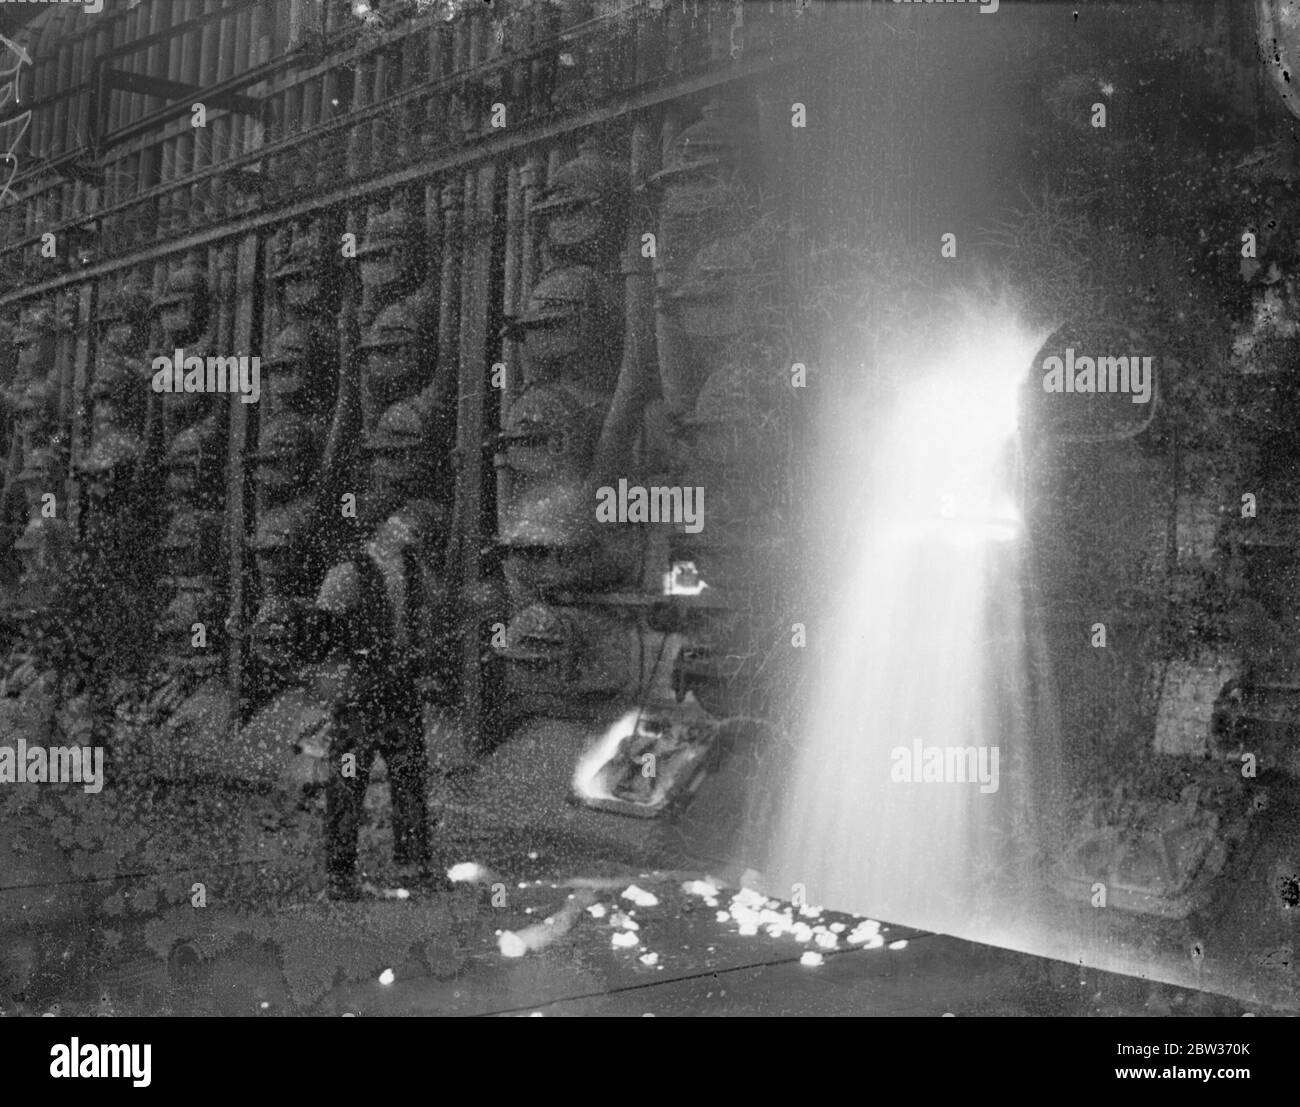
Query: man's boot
x: 345, y: 799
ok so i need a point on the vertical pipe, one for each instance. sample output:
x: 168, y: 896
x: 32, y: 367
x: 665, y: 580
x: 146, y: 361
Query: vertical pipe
x: 115, y: 61
x: 381, y: 127
x: 518, y: 180
x: 674, y: 45
x: 512, y: 302
x: 156, y: 56
x: 278, y: 127
x: 439, y: 56
x: 637, y: 380
x: 413, y: 48
x: 531, y: 179
x: 31, y: 147
x: 87, y: 311
x: 39, y: 130
x: 190, y: 68
x: 649, y: 49
x: 63, y: 83
x: 67, y: 308
x: 240, y: 444
x: 130, y: 177
x: 452, y: 202
x: 435, y: 242
x: 167, y: 170
x: 35, y: 213
x: 473, y: 122
x: 205, y: 138
x: 155, y: 61
x: 520, y: 94
x: 274, y: 252
x: 228, y: 60
x: 24, y: 98
x: 556, y: 156
x: 459, y: 54
x: 471, y: 426
x: 542, y: 69
x: 260, y: 28
x: 293, y: 119
x: 438, y: 63
x: 96, y: 107
x: 83, y: 68
x: 495, y: 30
x: 242, y: 134
x: 277, y: 25
x: 167, y: 203
x: 676, y: 374
x: 718, y: 31
x: 327, y: 165
x: 358, y: 153
x: 297, y: 16
x: 339, y: 464
x: 311, y: 104
x: 175, y: 44
x: 136, y: 28
x: 304, y: 167
x: 50, y: 210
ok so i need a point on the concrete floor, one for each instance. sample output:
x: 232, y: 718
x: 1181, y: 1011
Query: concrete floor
x: 110, y: 922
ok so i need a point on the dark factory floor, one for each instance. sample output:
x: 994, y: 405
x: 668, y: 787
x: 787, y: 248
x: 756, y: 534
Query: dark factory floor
x: 645, y: 922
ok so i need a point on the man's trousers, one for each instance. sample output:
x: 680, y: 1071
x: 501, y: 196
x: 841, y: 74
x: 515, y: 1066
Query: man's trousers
x: 396, y: 731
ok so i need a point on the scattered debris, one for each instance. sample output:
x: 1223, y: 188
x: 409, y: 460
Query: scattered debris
x: 467, y: 872
x: 640, y: 896
x: 539, y: 936
x: 866, y: 932
x: 377, y: 892
x: 511, y: 944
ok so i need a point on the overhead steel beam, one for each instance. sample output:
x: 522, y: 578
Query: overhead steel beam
x: 479, y: 150
x: 123, y: 81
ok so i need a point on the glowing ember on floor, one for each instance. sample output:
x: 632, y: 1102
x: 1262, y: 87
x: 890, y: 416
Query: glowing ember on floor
x: 646, y: 761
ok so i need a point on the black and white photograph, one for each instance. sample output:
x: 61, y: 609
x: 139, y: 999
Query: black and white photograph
x: 650, y: 508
